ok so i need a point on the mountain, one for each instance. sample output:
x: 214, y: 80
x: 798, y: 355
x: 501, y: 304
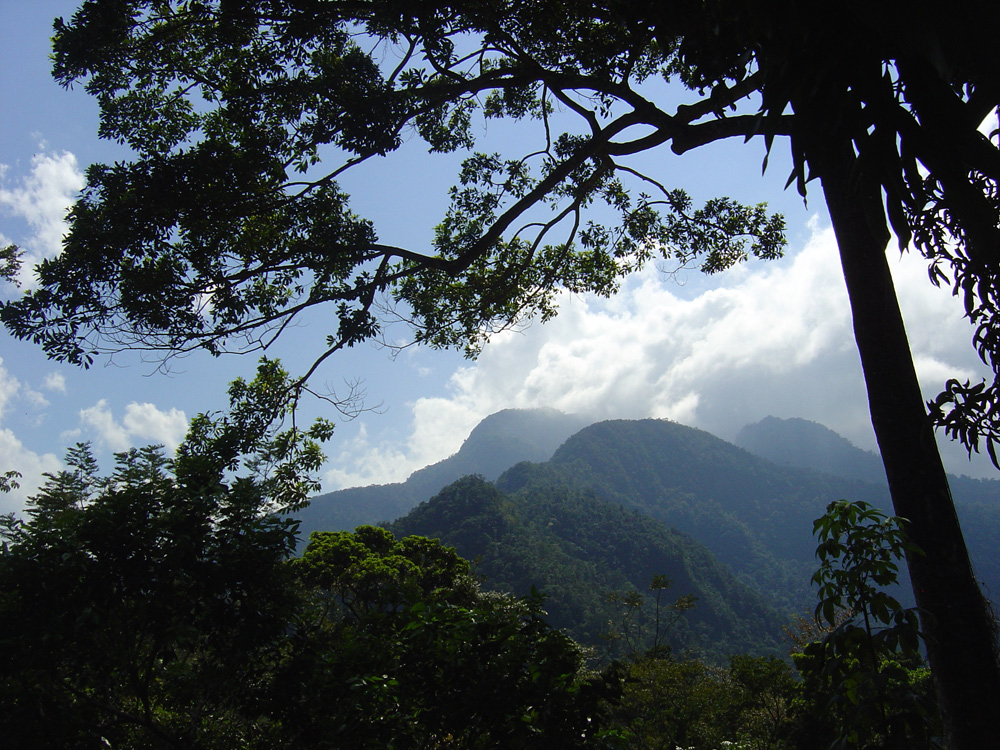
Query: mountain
x: 799, y: 442
x: 809, y: 445
x: 577, y: 549
x: 497, y: 443
x: 796, y: 442
x: 755, y: 516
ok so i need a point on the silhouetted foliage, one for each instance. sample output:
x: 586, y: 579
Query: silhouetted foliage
x: 159, y: 606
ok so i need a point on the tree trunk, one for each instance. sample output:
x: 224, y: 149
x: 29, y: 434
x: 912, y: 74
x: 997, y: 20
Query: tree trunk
x: 957, y: 622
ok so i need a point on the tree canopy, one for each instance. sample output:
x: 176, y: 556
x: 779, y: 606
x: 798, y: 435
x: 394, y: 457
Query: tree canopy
x: 229, y: 221
x: 159, y: 607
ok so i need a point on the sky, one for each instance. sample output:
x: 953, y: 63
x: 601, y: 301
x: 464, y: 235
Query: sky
x: 715, y: 353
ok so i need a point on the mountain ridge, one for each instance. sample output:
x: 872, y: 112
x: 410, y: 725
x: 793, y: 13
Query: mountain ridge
x: 499, y: 441
x: 801, y: 443
x: 754, y: 513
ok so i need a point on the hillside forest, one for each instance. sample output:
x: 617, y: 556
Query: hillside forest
x: 646, y: 585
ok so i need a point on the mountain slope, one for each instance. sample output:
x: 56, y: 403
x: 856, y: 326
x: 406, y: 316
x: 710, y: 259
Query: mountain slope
x: 498, y: 442
x: 755, y: 516
x: 576, y: 548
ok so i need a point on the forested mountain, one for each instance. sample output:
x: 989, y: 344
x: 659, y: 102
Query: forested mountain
x: 576, y: 548
x: 754, y: 515
x: 497, y: 443
x: 809, y: 445
x: 797, y: 442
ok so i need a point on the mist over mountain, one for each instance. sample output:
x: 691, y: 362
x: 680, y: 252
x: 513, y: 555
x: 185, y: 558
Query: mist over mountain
x: 799, y: 442
x: 497, y: 443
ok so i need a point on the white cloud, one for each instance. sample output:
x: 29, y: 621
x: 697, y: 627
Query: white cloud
x: 142, y: 424
x: 70, y: 436
x: 437, y: 429
x: 649, y: 352
x: 771, y: 339
x: 42, y: 198
x: 55, y: 381
x: 9, y: 387
x: 14, y: 456
x: 368, y: 463
x: 102, y: 422
x: 147, y: 422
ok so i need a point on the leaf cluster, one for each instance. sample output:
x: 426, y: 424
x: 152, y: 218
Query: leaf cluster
x: 867, y: 670
x: 227, y: 223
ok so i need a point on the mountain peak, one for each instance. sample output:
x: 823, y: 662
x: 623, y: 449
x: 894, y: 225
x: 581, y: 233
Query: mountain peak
x: 801, y: 443
x: 498, y: 442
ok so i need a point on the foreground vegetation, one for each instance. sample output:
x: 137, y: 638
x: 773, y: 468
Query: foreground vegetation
x: 162, y: 606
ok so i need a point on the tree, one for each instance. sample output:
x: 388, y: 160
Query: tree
x: 864, y: 682
x: 642, y: 635
x: 401, y: 649
x: 228, y: 223
x: 138, y: 608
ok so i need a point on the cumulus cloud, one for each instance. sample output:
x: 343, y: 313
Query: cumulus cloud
x: 41, y: 198
x: 15, y: 456
x: 142, y: 424
x: 771, y: 339
x: 146, y: 422
x: 55, y: 381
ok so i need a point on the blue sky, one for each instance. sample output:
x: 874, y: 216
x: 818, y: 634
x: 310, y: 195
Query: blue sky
x: 716, y: 353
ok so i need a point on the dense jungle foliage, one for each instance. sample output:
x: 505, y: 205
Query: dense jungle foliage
x: 163, y: 606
